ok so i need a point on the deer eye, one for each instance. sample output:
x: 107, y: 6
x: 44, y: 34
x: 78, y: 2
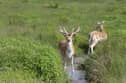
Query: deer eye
x: 69, y: 34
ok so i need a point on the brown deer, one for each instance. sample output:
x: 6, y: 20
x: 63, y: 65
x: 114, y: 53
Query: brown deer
x: 96, y: 36
x: 66, y: 46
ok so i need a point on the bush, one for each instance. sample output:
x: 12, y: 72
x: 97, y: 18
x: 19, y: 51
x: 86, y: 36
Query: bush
x: 33, y: 57
x: 18, y: 76
x: 80, y: 45
x: 107, y: 64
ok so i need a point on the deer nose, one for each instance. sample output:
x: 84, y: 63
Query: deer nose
x: 68, y: 40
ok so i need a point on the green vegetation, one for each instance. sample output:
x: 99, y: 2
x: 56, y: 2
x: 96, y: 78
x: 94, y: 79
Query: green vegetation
x: 17, y: 76
x: 37, y: 22
x: 40, y: 62
x: 107, y: 65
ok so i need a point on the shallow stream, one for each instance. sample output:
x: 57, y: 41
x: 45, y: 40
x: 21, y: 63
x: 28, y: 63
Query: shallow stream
x: 78, y: 76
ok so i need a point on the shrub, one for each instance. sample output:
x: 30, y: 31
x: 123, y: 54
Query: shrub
x: 18, y: 76
x: 31, y: 56
x: 81, y: 44
x: 107, y: 64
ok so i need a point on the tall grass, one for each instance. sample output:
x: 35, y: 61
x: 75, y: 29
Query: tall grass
x: 21, y: 55
x: 18, y: 76
x: 107, y: 65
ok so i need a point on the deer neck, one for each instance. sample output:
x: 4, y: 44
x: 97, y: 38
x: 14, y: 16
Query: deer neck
x: 101, y: 30
x: 69, y: 44
x: 70, y: 49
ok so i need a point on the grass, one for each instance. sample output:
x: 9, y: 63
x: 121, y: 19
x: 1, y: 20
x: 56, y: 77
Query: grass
x: 18, y: 76
x: 38, y: 61
x: 39, y: 20
x: 107, y: 65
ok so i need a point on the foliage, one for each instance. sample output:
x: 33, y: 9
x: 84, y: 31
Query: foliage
x: 107, y: 65
x: 19, y: 54
x: 18, y: 76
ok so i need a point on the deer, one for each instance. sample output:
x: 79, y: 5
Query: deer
x: 66, y: 46
x: 96, y: 36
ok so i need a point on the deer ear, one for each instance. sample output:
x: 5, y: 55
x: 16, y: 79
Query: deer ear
x: 74, y: 35
x: 76, y: 31
x: 64, y: 34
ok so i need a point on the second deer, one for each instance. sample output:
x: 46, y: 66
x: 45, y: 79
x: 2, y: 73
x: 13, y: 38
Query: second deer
x: 96, y: 36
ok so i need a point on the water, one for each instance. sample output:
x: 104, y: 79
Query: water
x: 78, y: 76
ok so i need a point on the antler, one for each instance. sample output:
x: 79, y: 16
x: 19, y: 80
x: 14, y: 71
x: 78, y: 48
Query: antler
x: 63, y: 30
x: 75, y: 31
x: 98, y: 22
x: 102, y: 22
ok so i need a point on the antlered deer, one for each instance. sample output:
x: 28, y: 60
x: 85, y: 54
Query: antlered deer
x: 66, y: 46
x: 96, y: 36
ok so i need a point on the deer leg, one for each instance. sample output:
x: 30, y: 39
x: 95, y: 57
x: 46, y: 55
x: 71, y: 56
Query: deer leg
x: 72, y: 63
x: 92, y: 47
x: 65, y: 63
x: 89, y: 50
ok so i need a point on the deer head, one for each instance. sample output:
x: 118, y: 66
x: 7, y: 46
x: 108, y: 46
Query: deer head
x: 68, y: 35
x: 100, y: 26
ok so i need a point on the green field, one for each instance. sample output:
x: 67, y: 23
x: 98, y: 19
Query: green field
x: 29, y: 31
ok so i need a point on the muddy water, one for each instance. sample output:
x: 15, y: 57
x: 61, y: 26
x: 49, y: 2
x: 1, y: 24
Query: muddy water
x: 78, y: 76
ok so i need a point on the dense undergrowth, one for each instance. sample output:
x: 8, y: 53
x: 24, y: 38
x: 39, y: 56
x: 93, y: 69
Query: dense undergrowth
x: 107, y: 64
x: 39, y: 62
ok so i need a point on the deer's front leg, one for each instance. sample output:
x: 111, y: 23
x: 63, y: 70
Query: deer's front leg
x: 65, y: 63
x: 89, y: 50
x: 72, y: 63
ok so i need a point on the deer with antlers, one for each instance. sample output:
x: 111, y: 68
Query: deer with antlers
x: 97, y: 36
x: 66, y: 46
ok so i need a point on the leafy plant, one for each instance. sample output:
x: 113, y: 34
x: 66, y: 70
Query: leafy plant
x: 31, y: 56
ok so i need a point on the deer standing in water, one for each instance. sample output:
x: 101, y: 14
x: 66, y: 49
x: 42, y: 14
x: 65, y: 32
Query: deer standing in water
x: 96, y: 36
x: 66, y: 46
